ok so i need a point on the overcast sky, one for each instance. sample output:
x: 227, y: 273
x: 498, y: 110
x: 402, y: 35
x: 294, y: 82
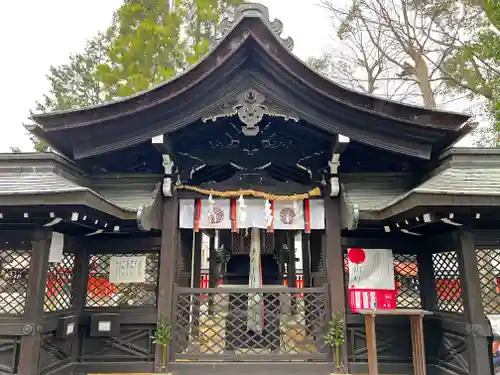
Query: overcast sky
x: 36, y: 34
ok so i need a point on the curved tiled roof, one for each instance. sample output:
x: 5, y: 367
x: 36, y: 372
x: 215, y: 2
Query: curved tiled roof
x: 251, y: 39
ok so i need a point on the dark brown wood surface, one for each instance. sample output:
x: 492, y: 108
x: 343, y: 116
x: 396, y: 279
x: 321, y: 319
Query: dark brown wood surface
x: 168, y: 262
x: 30, y: 344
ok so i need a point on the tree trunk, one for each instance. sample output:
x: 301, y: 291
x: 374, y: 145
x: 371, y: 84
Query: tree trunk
x: 423, y: 81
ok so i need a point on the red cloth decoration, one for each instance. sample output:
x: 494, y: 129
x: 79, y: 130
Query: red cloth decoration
x: 101, y: 287
x: 356, y: 256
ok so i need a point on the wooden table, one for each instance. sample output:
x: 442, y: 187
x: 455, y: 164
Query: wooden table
x: 416, y: 317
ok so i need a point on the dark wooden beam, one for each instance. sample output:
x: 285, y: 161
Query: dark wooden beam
x: 340, y: 144
x: 163, y: 144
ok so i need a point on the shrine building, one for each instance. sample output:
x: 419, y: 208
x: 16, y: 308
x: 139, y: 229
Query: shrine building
x: 236, y: 206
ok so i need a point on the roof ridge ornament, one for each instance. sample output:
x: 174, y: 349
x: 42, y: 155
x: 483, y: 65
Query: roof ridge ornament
x: 252, y: 10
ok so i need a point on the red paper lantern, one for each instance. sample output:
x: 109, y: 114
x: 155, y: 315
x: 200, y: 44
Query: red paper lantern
x: 356, y: 256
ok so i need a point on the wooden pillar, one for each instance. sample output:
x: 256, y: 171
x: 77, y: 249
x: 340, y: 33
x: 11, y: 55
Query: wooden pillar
x: 196, y: 272
x: 477, y: 342
x: 213, y: 276
x: 168, y: 263
x: 196, y: 283
x: 306, y: 259
x: 291, y: 274
x: 426, y: 277
x: 306, y: 272
x: 37, y: 278
x: 334, y: 259
x: 184, y: 258
x: 80, y: 282
x: 316, y: 245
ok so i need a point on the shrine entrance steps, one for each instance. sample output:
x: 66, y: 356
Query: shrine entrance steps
x: 249, y: 368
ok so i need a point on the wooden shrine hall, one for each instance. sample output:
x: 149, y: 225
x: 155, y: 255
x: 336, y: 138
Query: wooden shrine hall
x: 273, y: 171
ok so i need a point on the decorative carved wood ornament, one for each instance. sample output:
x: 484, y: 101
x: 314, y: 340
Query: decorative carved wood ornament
x: 250, y: 106
x: 252, y: 10
x: 168, y: 166
x: 149, y: 215
x: 349, y: 213
x: 340, y: 145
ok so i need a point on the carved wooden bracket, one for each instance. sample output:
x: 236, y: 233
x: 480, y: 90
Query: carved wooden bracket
x: 349, y: 213
x: 150, y: 215
x: 340, y: 144
x: 168, y: 166
x: 250, y: 106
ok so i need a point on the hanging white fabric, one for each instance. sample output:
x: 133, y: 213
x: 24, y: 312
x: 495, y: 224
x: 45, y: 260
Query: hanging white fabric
x: 289, y: 215
x: 216, y: 214
x: 317, y: 215
x: 186, y: 213
x: 255, y: 215
x: 56, y: 248
x: 255, y: 306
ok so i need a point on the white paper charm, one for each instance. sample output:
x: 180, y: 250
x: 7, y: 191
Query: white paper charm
x: 186, y: 213
x: 56, y: 248
x: 127, y: 270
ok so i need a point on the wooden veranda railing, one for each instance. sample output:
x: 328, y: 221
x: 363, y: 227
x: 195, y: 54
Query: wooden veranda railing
x: 246, y: 324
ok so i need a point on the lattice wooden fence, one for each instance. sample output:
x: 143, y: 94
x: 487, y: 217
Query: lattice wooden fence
x: 488, y: 265
x: 102, y: 293
x: 59, y: 285
x: 447, y: 281
x: 250, y: 324
x: 14, y: 281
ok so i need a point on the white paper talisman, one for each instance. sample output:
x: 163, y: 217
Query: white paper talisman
x: 317, y: 214
x: 56, y: 248
x: 127, y: 270
x: 186, y: 213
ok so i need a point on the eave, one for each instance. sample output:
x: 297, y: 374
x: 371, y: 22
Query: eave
x: 48, y: 180
x: 80, y: 197
x: 259, y: 30
x: 182, y: 100
x: 468, y: 180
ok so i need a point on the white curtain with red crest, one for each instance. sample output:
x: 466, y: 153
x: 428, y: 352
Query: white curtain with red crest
x: 289, y: 215
x: 251, y: 213
x: 214, y: 214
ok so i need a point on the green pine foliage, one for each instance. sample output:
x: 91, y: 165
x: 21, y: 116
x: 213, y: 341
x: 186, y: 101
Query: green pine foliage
x: 335, y: 336
x: 163, y: 337
x: 145, y: 45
